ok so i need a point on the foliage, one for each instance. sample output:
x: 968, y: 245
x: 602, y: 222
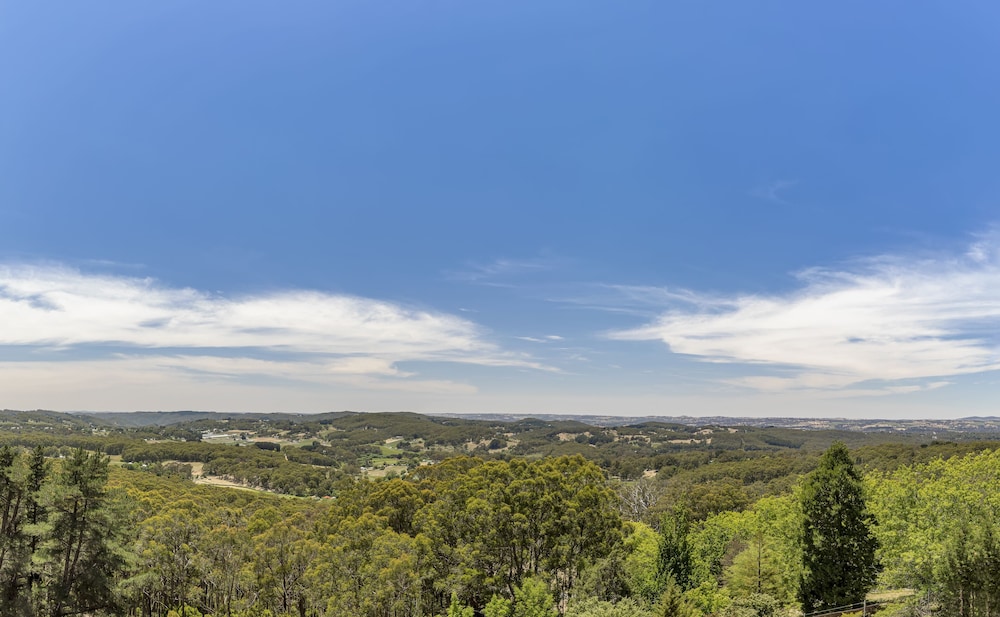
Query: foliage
x: 937, y: 529
x: 967, y: 576
x: 838, y: 547
x: 61, y: 549
x: 642, y: 546
x: 532, y: 598
x: 754, y: 604
x: 673, y: 603
x: 708, y: 598
x: 592, y: 607
x: 674, y: 561
x: 502, y: 521
x: 457, y: 609
x: 498, y: 607
x: 498, y: 535
x: 770, y: 559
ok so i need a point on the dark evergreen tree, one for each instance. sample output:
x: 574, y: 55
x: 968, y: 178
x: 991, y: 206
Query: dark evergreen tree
x: 12, y: 558
x: 20, y: 514
x: 838, y: 547
x: 81, y: 555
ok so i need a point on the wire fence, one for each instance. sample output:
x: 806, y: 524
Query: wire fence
x: 864, y: 605
x: 868, y: 605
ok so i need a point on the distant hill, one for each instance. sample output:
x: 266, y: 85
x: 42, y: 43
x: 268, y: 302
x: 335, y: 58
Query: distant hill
x: 981, y: 426
x: 150, y: 418
x: 168, y: 418
x: 973, y: 424
x: 307, y: 454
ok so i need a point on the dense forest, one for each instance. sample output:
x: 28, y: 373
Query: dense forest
x: 392, y: 515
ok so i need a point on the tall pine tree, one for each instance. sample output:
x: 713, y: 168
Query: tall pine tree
x: 81, y: 554
x: 838, y: 546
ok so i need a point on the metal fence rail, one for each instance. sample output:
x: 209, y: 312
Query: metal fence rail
x: 846, y: 608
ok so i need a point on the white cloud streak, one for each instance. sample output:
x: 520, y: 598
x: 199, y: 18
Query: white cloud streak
x: 884, y: 321
x: 296, y: 335
x: 505, y: 269
x: 546, y: 339
x: 774, y: 191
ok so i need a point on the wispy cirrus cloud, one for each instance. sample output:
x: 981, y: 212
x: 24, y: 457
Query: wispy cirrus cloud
x: 499, y: 272
x: 892, y: 324
x: 294, y: 335
x: 549, y: 338
x: 774, y: 191
x: 639, y: 300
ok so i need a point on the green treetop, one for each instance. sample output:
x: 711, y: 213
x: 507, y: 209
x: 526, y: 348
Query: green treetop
x: 837, y: 543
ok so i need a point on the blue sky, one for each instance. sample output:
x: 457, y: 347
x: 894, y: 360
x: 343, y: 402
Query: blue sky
x: 667, y: 208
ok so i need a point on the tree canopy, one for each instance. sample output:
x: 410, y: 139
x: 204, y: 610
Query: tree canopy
x: 838, y: 547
